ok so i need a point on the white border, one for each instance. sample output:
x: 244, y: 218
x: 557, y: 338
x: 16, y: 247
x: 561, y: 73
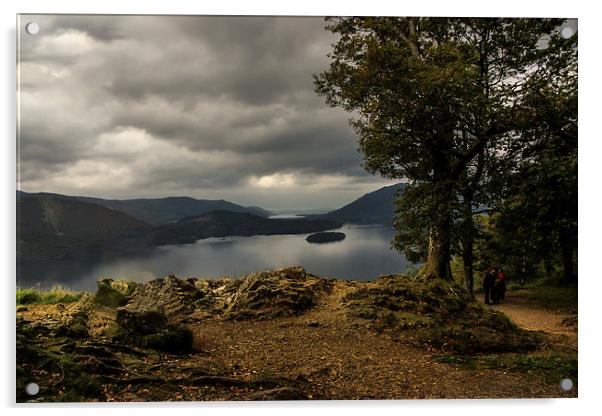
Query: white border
x: 589, y: 195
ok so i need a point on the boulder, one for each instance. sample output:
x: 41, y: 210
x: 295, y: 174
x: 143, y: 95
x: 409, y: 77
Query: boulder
x: 113, y: 293
x: 173, y: 339
x: 150, y: 329
x: 170, y: 296
x: 143, y: 323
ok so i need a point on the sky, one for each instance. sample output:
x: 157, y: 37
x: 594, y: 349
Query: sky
x: 208, y: 107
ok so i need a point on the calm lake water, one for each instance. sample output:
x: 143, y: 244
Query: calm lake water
x: 363, y: 255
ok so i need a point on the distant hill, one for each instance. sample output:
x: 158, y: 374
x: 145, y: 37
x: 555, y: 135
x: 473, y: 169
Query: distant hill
x: 259, y: 211
x: 377, y: 206
x: 227, y: 223
x: 55, y: 226
x: 159, y: 211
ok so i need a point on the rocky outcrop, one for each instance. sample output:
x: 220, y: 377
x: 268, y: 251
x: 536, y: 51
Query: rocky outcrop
x: 284, y: 292
x: 170, y: 296
x: 277, y: 293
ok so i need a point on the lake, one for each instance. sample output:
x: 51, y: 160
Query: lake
x: 363, y: 255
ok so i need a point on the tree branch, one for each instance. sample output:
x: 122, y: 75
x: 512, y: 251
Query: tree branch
x: 411, y: 39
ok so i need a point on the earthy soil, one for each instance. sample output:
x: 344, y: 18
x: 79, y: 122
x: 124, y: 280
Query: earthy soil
x: 345, y: 359
x: 323, y: 353
x: 537, y: 318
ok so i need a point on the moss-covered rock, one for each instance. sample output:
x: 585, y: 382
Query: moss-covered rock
x: 150, y: 329
x: 75, y: 326
x: 440, y: 314
x: 113, y: 293
x: 144, y: 323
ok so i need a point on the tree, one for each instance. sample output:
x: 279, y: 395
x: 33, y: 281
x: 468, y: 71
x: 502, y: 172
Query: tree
x: 539, y: 212
x: 432, y: 99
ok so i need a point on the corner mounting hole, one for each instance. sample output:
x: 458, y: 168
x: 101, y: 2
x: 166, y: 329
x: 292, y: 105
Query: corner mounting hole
x: 566, y: 384
x: 566, y: 32
x: 32, y: 28
x: 32, y: 389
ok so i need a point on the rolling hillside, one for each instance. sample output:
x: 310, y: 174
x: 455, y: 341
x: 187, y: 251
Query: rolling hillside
x: 377, y: 206
x: 54, y: 226
x: 159, y: 211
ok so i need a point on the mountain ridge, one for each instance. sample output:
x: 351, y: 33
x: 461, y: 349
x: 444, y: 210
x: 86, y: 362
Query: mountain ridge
x: 376, y: 206
x: 158, y: 211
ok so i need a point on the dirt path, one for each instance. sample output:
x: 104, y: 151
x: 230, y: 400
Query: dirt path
x: 536, y: 318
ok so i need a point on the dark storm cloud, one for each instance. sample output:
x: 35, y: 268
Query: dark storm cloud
x: 206, y: 106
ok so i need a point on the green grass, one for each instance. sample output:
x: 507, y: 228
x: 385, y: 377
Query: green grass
x: 57, y: 294
x: 552, y: 297
x: 552, y: 367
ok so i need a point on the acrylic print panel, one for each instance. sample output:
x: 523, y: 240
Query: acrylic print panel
x: 195, y: 221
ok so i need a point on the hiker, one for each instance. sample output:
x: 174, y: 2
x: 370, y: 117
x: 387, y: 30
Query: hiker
x: 488, y: 281
x: 499, y: 287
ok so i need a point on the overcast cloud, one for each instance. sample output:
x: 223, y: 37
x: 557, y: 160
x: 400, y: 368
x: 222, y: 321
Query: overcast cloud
x: 210, y: 107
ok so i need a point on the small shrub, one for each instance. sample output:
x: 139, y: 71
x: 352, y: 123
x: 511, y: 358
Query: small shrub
x: 28, y: 296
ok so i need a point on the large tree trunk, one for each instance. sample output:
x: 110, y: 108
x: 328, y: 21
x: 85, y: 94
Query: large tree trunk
x: 467, y: 259
x: 468, y: 242
x: 438, y: 264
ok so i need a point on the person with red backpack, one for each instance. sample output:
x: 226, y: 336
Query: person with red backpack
x: 500, y: 285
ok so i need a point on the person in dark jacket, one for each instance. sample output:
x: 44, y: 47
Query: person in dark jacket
x: 488, y: 282
x: 500, y: 284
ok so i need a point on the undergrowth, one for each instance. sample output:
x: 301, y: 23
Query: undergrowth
x: 438, y: 314
x: 57, y: 294
x: 553, y: 367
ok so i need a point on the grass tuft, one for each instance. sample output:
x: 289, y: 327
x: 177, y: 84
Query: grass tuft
x: 57, y: 294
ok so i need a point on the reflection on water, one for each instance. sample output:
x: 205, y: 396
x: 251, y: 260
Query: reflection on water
x: 363, y: 255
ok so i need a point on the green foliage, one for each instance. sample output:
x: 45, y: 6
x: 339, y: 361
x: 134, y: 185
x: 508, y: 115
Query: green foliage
x: 552, y: 297
x: 411, y: 271
x: 57, y: 294
x: 553, y: 367
x: 536, y: 220
x: 435, y: 101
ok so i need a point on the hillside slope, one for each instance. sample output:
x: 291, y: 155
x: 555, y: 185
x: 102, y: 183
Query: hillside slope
x: 377, y: 206
x: 54, y: 226
x: 159, y: 211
